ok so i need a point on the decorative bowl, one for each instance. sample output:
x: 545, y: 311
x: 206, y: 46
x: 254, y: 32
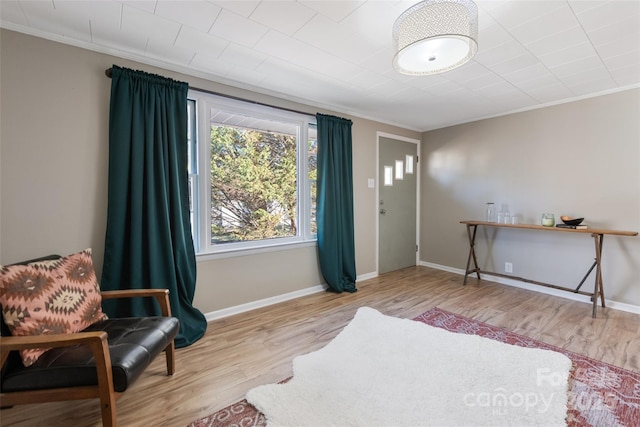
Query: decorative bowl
x: 571, y: 221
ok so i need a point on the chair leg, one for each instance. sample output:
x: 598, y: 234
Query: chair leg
x: 108, y: 409
x: 100, y: 350
x: 171, y: 358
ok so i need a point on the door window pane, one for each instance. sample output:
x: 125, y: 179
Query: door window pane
x: 388, y: 176
x: 409, y: 163
x: 399, y: 169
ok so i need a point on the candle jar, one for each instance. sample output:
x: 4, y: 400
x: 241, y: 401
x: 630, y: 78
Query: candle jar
x: 548, y: 220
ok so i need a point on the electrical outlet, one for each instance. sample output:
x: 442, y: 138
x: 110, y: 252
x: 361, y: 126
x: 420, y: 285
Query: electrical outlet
x: 508, y: 267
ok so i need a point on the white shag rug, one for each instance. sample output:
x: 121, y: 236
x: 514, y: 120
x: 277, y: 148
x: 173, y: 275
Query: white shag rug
x: 386, y: 371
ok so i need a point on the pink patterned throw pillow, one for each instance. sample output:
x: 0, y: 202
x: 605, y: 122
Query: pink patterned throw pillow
x: 50, y: 297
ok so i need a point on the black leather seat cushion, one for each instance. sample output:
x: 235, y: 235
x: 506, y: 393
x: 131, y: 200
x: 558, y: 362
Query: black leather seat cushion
x: 133, y: 344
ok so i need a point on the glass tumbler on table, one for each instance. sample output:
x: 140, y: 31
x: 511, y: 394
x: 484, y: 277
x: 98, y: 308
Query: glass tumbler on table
x: 491, y: 212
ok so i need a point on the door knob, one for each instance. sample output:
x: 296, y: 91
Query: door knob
x: 383, y: 211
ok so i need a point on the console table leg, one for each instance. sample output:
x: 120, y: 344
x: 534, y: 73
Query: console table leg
x: 598, y: 289
x: 599, y: 242
x: 472, y: 253
x: 595, y: 262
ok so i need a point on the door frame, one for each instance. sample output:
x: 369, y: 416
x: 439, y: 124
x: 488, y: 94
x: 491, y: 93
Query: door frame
x: 418, y: 143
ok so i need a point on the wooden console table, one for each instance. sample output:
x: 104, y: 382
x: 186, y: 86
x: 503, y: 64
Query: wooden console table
x: 598, y: 237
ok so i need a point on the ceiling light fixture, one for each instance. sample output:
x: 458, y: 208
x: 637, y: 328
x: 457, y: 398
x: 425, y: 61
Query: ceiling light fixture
x: 435, y: 36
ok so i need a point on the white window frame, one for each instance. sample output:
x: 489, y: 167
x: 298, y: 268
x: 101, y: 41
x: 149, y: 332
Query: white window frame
x: 201, y: 228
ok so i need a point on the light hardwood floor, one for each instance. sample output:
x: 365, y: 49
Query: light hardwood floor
x: 246, y: 350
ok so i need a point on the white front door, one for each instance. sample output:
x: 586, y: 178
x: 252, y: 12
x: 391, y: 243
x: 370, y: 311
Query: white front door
x: 397, y: 203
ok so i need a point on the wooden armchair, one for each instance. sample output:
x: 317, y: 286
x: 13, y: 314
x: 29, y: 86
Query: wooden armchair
x: 99, y: 362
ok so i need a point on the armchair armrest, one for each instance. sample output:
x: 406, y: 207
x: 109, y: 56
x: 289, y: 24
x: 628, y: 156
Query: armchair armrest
x: 161, y: 296
x: 97, y: 343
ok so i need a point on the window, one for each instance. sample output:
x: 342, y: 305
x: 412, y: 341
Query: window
x: 252, y: 175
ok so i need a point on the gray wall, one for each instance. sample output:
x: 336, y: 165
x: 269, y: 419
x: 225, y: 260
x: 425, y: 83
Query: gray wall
x: 53, y: 171
x: 581, y: 158
x: 578, y: 159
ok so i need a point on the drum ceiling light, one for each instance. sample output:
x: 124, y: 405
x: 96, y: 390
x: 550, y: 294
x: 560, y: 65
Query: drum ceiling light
x: 435, y: 36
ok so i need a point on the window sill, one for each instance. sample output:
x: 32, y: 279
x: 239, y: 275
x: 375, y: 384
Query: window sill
x: 231, y: 253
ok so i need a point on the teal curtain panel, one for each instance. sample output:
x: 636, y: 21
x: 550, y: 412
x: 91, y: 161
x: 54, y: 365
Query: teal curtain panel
x: 148, y: 240
x: 336, y: 249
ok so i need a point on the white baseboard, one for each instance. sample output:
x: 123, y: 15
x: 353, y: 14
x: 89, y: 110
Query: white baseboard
x: 226, y: 312
x: 366, y: 276
x: 541, y: 289
x: 623, y: 306
x: 242, y: 308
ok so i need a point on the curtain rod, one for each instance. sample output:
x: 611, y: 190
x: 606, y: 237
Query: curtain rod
x: 107, y: 72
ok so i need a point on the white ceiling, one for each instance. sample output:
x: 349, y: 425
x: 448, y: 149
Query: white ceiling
x: 337, y: 54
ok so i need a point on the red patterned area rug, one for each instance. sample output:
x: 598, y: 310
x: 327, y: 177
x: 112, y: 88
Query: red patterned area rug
x: 599, y: 394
